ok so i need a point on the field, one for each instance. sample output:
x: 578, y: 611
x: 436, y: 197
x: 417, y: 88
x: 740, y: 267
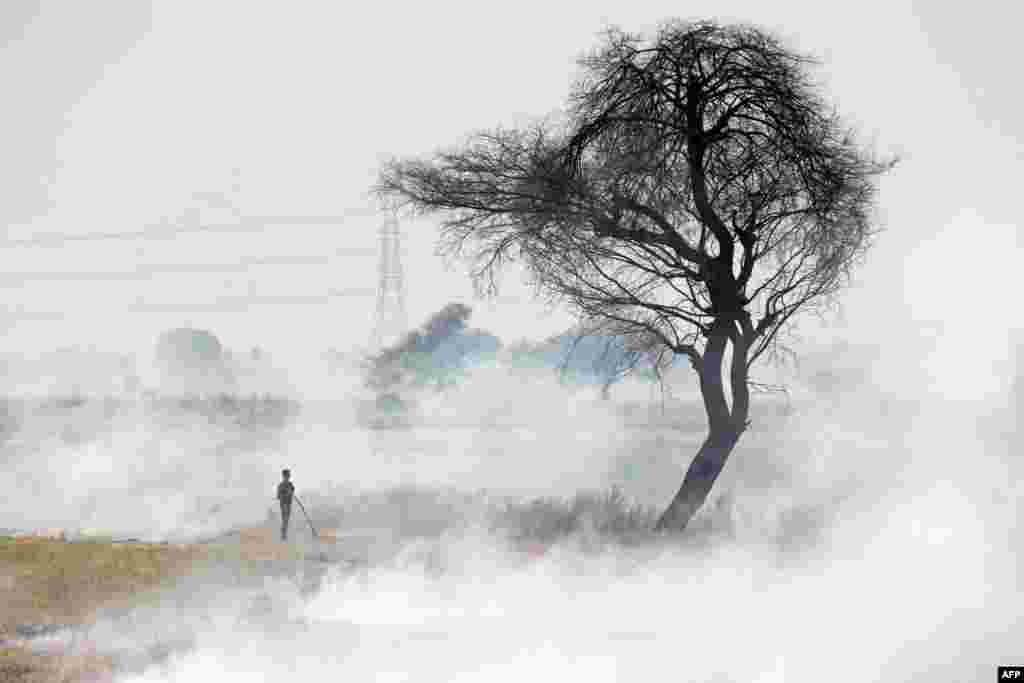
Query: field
x: 62, y: 588
x: 478, y: 548
x: 50, y: 583
x: 47, y: 582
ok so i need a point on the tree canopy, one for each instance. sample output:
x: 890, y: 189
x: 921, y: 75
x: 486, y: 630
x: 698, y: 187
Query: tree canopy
x: 696, y: 193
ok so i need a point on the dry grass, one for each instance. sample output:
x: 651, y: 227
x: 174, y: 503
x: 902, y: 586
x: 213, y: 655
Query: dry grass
x: 22, y: 666
x: 53, y: 582
x: 49, y: 581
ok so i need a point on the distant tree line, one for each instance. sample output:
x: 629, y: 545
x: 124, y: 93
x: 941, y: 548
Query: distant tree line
x: 440, y: 353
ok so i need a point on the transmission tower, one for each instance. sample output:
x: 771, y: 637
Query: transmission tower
x: 390, y: 321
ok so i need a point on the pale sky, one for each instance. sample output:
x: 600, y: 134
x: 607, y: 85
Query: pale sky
x: 117, y: 111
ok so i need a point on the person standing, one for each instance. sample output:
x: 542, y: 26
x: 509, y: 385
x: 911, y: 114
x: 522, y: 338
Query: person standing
x: 285, y: 493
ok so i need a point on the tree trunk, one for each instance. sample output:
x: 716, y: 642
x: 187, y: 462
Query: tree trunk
x: 700, y: 477
x: 725, y: 425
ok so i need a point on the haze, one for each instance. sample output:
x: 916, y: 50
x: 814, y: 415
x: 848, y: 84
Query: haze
x: 873, y: 533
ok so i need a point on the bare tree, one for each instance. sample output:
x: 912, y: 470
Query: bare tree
x: 697, y: 191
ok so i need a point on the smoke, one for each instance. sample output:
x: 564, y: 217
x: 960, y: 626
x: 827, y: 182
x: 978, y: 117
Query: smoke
x: 861, y: 524
x: 917, y: 579
x: 444, y: 351
x: 436, y: 354
x: 193, y: 362
x: 871, y: 534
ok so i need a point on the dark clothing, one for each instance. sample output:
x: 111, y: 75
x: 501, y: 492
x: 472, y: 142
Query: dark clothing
x: 286, y: 514
x: 285, y: 492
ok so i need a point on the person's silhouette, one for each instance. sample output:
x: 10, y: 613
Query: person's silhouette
x: 285, y: 492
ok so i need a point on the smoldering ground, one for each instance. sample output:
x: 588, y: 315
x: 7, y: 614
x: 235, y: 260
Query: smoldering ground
x: 873, y: 534
x: 871, y: 537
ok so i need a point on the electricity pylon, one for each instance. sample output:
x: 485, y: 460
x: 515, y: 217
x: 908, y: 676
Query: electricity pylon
x: 390, y: 321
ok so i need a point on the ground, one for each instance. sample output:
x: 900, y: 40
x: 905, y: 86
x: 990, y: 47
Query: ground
x: 46, y: 581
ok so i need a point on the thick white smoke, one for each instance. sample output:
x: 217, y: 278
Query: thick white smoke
x: 872, y: 537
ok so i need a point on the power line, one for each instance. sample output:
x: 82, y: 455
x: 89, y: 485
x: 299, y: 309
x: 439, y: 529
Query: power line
x: 252, y: 224
x: 225, y: 304
x: 242, y: 302
x: 146, y: 271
